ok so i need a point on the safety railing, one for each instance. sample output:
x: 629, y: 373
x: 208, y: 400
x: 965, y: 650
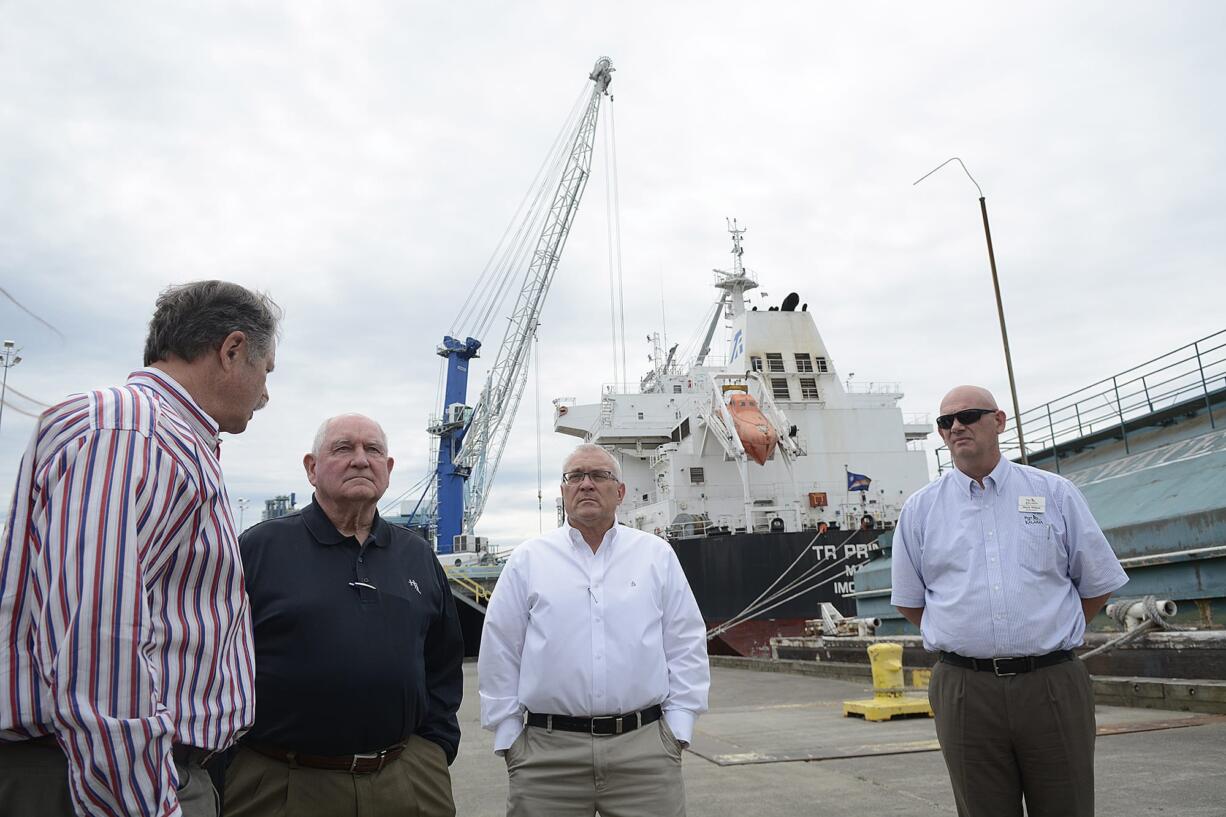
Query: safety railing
x: 1189, y: 379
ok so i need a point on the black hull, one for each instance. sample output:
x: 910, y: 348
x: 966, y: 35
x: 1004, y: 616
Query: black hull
x: 728, y: 572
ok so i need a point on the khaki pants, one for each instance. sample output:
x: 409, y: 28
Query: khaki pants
x: 416, y: 784
x: 1027, y: 736
x: 570, y: 774
x: 34, y: 783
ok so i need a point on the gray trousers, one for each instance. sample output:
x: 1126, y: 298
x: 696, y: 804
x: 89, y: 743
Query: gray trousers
x: 34, y: 783
x: 1021, y: 737
x: 571, y: 774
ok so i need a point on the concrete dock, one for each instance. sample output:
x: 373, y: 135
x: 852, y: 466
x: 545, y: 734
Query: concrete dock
x: 777, y: 745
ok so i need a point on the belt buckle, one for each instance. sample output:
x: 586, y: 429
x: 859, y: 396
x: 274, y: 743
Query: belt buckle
x: 353, y: 765
x: 615, y: 726
x: 996, y: 668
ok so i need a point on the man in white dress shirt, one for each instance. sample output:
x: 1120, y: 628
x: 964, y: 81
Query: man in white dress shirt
x: 1000, y: 566
x: 593, y: 634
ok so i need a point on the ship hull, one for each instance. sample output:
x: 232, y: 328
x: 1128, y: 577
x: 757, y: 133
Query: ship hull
x: 728, y: 573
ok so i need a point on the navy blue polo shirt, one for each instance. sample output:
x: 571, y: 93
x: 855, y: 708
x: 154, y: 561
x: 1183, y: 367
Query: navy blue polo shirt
x: 357, y: 645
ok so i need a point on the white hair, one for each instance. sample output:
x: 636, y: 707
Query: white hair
x: 322, y: 434
x: 592, y: 448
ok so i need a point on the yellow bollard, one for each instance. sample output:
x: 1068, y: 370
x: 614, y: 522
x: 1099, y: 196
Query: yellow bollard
x: 889, y: 699
x: 886, y: 661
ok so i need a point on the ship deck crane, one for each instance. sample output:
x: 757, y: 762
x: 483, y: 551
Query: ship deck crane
x: 471, y: 440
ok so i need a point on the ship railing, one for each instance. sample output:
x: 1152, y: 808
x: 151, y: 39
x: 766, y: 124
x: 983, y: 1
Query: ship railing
x: 916, y: 418
x: 1182, y: 383
x: 873, y: 387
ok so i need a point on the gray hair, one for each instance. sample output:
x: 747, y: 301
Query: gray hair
x: 592, y: 448
x: 192, y: 319
x: 322, y: 433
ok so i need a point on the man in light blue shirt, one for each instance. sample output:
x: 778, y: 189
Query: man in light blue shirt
x: 1000, y: 566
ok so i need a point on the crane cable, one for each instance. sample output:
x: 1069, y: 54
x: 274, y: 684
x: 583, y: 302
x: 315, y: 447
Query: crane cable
x: 491, y: 286
x: 613, y: 232
x: 617, y: 221
x: 536, y: 377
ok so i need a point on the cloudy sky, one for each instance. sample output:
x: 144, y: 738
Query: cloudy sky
x: 360, y: 162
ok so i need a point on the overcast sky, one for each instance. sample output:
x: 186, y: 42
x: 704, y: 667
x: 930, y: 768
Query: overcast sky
x: 360, y: 161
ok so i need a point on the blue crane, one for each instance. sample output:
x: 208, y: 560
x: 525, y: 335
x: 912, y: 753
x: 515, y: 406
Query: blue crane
x: 471, y: 439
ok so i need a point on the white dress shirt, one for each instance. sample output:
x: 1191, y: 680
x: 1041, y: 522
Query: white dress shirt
x: 1000, y: 569
x: 572, y: 632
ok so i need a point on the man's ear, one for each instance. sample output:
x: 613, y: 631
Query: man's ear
x: 232, y: 348
x: 308, y: 463
x: 391, y: 463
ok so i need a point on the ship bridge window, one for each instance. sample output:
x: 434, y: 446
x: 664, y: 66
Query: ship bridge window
x: 755, y: 363
x: 640, y: 415
x: 676, y: 388
x: 803, y: 362
x: 779, y: 388
x: 821, y: 364
x: 774, y: 361
x: 697, y: 476
x: 808, y: 388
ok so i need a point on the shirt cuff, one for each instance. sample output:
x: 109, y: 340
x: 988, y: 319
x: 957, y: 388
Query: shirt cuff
x: 681, y: 721
x: 506, y: 733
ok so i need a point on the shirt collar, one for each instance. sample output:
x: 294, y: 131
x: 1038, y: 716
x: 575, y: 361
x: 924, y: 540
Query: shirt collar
x: 324, y: 532
x: 576, y: 538
x: 180, y: 401
x: 997, y: 477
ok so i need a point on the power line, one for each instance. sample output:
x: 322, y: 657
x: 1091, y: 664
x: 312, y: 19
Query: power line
x: 20, y: 306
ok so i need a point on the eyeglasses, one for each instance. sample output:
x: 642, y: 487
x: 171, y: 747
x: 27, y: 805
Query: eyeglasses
x: 576, y: 477
x: 966, y: 417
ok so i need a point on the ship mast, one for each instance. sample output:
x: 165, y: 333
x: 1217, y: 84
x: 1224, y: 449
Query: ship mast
x: 737, y: 281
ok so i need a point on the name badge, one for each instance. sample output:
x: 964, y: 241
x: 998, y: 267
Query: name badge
x: 1032, y: 504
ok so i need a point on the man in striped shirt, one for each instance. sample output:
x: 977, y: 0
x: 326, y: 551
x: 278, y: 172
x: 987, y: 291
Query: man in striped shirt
x: 128, y: 657
x: 1000, y: 566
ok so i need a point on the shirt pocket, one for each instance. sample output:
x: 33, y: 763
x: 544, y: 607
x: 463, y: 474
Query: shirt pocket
x: 1037, y: 548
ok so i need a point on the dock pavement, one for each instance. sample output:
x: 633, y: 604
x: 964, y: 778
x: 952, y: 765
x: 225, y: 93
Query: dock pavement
x: 777, y: 745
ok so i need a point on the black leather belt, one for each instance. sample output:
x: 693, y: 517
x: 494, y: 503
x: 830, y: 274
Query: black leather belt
x: 1008, y: 666
x: 361, y: 763
x: 603, y: 726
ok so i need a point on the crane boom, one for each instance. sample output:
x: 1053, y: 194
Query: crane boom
x: 471, y: 446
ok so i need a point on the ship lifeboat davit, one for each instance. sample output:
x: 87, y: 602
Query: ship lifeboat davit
x: 757, y: 435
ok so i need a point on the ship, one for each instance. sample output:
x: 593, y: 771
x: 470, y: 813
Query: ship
x: 770, y: 474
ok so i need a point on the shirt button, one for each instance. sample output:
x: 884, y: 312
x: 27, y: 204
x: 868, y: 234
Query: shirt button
x: 990, y: 533
x: 996, y: 587
x: 991, y: 558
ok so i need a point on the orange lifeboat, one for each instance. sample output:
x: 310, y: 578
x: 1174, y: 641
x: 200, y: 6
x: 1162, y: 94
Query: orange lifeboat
x: 756, y: 434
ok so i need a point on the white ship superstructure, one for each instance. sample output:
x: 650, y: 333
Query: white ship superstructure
x: 687, y: 469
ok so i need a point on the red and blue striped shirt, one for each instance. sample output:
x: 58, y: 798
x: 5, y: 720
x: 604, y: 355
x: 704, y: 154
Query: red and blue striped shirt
x: 125, y: 622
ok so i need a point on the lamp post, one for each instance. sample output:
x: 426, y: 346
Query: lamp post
x: 243, y: 504
x: 1000, y: 309
x: 8, y: 359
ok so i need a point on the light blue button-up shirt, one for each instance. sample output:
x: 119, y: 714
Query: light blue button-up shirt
x: 1000, y: 570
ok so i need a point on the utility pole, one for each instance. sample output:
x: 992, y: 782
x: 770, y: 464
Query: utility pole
x: 1000, y: 309
x: 8, y: 359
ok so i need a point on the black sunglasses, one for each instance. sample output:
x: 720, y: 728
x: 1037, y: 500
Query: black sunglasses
x: 966, y: 417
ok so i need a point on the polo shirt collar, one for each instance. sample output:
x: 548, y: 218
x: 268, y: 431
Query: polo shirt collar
x: 997, y: 477
x: 180, y: 402
x: 324, y: 532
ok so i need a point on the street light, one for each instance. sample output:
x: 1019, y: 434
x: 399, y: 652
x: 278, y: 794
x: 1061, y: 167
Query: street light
x: 243, y: 504
x: 1000, y: 309
x: 8, y: 359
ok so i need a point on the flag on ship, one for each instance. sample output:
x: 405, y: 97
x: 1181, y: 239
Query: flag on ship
x: 857, y: 482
